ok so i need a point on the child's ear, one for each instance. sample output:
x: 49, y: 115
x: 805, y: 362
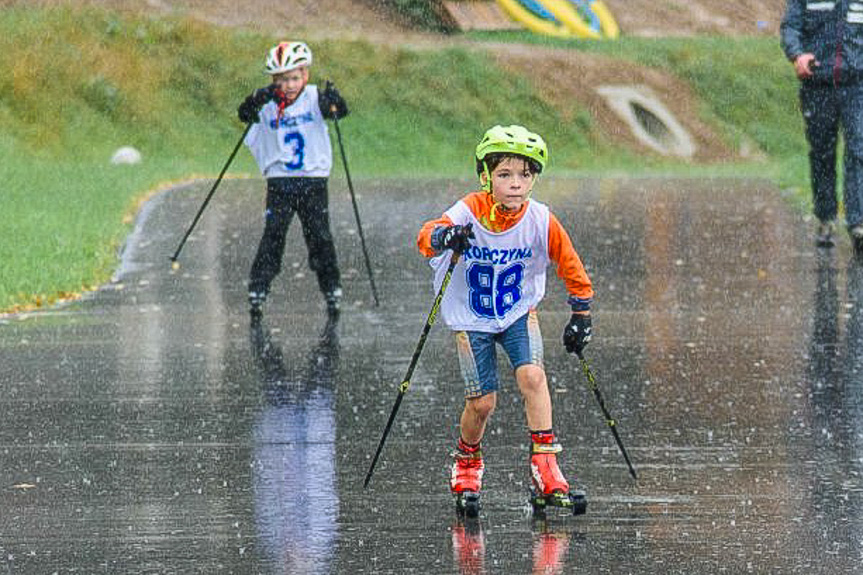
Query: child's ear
x: 483, y: 178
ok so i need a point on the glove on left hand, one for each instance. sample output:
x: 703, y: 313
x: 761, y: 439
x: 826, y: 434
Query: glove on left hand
x: 332, y: 105
x: 577, y: 333
x: 330, y: 92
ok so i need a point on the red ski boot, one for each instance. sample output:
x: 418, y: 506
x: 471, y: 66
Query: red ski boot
x: 549, y: 485
x: 466, y: 480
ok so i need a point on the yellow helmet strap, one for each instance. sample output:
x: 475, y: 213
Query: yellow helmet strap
x: 486, y: 184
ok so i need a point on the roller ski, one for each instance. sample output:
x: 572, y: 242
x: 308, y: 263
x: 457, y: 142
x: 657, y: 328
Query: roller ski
x: 550, y: 488
x: 466, y: 479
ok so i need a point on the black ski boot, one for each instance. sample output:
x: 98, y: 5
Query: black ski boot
x: 256, y: 304
x: 856, y: 234
x: 334, y: 302
x: 824, y: 235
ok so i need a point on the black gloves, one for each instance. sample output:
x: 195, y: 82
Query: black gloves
x: 333, y: 106
x: 577, y: 333
x: 251, y: 106
x: 455, y: 238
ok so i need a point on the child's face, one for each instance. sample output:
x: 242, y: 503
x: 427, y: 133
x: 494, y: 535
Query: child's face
x: 292, y: 82
x: 511, y: 182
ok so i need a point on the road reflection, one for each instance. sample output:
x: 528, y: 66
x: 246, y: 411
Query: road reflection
x: 849, y: 489
x: 833, y: 410
x: 294, y: 475
x: 549, y: 547
x: 468, y: 547
x: 824, y: 346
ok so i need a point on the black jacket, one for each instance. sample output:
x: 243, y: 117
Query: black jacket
x: 832, y: 30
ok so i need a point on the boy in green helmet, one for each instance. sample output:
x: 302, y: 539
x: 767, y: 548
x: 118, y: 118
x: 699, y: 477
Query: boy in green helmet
x: 505, y: 242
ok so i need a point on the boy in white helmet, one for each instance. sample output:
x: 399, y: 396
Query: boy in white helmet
x: 505, y: 241
x: 291, y: 144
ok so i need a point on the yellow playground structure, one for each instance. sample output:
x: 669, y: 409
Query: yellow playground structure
x: 564, y: 18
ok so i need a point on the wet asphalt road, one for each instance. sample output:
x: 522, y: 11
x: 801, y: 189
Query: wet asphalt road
x: 149, y: 429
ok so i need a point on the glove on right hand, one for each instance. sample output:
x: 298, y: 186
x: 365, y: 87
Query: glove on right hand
x: 251, y: 106
x: 455, y: 238
x: 577, y: 333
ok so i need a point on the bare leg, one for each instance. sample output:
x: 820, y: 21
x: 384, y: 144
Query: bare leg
x: 475, y: 415
x: 537, y: 401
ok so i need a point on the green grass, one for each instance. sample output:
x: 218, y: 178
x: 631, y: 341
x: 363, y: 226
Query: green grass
x: 747, y: 88
x: 79, y: 84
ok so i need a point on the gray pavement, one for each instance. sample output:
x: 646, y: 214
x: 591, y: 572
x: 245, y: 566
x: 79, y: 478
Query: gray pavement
x: 150, y: 429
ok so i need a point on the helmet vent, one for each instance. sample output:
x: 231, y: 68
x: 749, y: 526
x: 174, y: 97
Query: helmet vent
x: 287, y: 56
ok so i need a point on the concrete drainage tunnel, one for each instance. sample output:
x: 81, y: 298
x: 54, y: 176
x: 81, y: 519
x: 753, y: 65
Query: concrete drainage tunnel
x: 649, y: 120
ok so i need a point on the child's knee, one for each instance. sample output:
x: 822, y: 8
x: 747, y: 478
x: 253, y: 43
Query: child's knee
x: 482, y: 407
x: 531, y: 379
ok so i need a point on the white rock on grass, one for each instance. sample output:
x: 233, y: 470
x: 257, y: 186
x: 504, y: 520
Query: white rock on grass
x: 126, y: 155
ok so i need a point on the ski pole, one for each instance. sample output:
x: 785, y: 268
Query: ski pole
x: 354, y: 202
x: 406, y: 383
x: 174, y: 264
x: 612, y: 424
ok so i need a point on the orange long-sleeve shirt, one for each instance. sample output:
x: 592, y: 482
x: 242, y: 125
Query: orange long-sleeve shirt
x: 560, y: 249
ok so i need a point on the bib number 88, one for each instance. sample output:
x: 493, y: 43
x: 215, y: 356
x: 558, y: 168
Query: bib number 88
x: 493, y: 295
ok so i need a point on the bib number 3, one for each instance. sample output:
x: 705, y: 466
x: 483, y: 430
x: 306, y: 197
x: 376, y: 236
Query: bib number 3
x: 493, y: 295
x: 297, y: 145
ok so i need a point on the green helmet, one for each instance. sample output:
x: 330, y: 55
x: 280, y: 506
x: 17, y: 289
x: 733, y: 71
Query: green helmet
x: 513, y: 140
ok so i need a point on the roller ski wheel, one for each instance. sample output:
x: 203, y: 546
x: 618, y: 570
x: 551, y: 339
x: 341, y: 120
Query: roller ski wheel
x: 467, y: 504
x: 575, y: 500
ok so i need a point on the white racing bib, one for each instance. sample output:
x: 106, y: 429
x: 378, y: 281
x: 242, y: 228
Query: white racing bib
x: 501, y: 277
x: 295, y: 144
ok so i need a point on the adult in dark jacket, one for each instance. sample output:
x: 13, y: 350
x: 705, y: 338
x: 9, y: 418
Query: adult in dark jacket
x: 824, y: 42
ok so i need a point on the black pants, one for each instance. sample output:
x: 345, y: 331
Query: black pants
x: 308, y: 198
x: 827, y: 111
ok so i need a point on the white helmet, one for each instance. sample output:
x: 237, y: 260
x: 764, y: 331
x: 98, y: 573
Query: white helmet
x: 288, y: 56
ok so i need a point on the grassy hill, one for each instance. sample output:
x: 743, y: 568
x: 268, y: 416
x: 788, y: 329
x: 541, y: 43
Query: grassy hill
x: 78, y: 84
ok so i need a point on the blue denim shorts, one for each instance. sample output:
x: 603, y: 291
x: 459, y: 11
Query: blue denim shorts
x: 477, y: 353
